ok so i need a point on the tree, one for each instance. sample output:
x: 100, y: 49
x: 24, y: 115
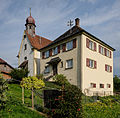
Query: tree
x: 18, y: 74
x: 32, y: 83
x: 116, y: 81
x: 3, y: 90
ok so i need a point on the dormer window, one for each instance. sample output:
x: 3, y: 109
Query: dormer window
x: 25, y: 48
x: 24, y: 36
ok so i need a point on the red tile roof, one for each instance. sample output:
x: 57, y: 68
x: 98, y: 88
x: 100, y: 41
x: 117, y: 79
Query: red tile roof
x: 38, y: 42
x: 2, y: 61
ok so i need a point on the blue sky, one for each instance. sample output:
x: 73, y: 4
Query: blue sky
x: 99, y: 17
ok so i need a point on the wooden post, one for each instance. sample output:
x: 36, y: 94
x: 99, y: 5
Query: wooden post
x: 32, y: 98
x: 23, y: 95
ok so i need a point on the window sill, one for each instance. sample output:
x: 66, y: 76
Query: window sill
x: 68, y: 68
x: 92, y: 50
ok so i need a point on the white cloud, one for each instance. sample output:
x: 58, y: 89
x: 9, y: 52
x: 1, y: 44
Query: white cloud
x: 91, y: 1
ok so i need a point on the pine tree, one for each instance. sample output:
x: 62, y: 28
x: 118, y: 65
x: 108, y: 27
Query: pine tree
x: 3, y: 90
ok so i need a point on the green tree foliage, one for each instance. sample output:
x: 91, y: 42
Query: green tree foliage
x: 18, y: 74
x: 3, y: 90
x: 116, y: 81
x: 40, y: 76
x: 60, y: 79
x: 32, y: 82
x: 69, y: 104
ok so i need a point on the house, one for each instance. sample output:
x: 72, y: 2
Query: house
x: 5, y: 69
x: 84, y: 59
x: 29, y: 56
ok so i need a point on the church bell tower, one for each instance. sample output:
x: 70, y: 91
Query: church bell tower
x: 30, y: 25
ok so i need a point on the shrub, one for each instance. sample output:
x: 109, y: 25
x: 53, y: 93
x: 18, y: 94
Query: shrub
x: 40, y: 76
x: 18, y: 74
x: 60, y: 79
x: 69, y: 104
x: 3, y: 90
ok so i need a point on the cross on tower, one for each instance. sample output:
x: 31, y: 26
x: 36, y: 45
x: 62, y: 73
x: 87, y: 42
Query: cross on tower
x: 70, y: 23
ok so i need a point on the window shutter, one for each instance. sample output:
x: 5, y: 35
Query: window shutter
x: 94, y: 85
x: 110, y: 54
x: 87, y: 62
x: 95, y: 64
x: 110, y: 68
x: 50, y: 52
x: 94, y: 46
x: 105, y: 67
x: 64, y: 47
x: 105, y: 52
x: 109, y: 85
x: 43, y: 55
x: 87, y: 42
x: 74, y: 43
x: 99, y: 49
x: 59, y: 49
x: 102, y: 85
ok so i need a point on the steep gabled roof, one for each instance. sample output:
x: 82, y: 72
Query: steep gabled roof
x: 38, y: 42
x: 4, y: 62
x: 76, y: 30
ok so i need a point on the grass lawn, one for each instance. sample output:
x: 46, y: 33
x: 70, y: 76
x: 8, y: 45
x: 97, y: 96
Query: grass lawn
x: 14, y: 107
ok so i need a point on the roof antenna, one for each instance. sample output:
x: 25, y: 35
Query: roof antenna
x: 70, y: 24
x: 30, y: 11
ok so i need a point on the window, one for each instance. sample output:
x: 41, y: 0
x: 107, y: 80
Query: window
x: 108, y: 68
x: 47, y: 54
x: 24, y: 36
x: 69, y: 45
x: 107, y: 53
x: 91, y: 63
x: 90, y: 44
x: 25, y: 58
x: 30, y: 27
x: 93, y: 85
x: 25, y: 48
x: 69, y: 63
x: 55, y: 50
x: 102, y: 51
x: 101, y: 85
x: 108, y: 85
x: 47, y: 69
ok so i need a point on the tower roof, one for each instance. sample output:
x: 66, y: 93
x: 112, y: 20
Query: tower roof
x: 30, y: 20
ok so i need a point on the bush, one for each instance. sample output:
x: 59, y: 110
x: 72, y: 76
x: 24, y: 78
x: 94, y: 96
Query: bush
x: 3, y: 90
x: 60, y: 79
x: 69, y: 105
x: 116, y: 81
x: 40, y: 76
x: 18, y: 74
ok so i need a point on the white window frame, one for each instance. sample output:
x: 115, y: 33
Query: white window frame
x: 91, y: 45
x: 102, y: 50
x: 69, y: 45
x: 47, y: 54
x: 69, y: 63
x: 91, y: 62
x: 55, y: 50
x: 107, y: 53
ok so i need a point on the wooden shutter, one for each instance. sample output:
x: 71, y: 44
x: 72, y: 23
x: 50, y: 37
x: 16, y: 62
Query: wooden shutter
x: 105, y: 52
x: 110, y: 68
x: 110, y: 54
x: 95, y: 64
x: 102, y: 85
x: 105, y: 67
x: 99, y: 49
x: 87, y: 62
x: 59, y: 49
x: 50, y: 52
x: 74, y: 43
x: 64, y: 47
x: 43, y: 55
x: 94, y: 85
x: 94, y: 46
x: 87, y: 42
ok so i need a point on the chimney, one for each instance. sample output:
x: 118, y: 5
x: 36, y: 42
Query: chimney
x: 77, y: 20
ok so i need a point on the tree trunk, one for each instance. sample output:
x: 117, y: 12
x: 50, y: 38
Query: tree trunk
x: 23, y: 95
x: 32, y: 98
